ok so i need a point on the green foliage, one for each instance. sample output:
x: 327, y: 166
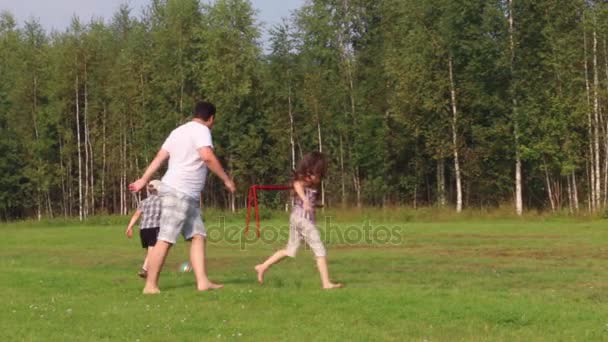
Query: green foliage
x: 365, y: 81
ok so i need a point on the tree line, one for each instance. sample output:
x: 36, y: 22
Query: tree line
x: 469, y: 103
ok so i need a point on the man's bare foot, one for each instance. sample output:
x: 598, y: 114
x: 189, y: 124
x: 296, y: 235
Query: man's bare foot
x: 331, y: 286
x: 260, y: 270
x: 209, y: 286
x: 151, y: 290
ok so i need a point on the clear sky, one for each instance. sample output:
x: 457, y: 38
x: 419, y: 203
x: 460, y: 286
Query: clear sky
x: 57, y: 14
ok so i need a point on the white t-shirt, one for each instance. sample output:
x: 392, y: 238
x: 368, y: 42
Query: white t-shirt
x: 187, y: 171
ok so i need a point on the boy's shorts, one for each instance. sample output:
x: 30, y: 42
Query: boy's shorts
x: 148, y: 237
x: 179, y: 213
x: 301, y: 228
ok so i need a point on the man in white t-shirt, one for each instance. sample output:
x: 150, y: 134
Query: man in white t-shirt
x: 190, y: 152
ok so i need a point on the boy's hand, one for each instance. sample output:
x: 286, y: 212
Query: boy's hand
x: 137, y: 185
x: 129, y: 232
x: 230, y: 185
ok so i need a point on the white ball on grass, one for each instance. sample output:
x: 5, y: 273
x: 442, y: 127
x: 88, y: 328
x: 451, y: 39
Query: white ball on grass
x: 185, y: 267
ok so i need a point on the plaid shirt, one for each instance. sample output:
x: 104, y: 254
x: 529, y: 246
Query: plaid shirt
x: 150, y: 208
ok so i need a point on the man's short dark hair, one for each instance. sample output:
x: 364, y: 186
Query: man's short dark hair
x: 204, y: 110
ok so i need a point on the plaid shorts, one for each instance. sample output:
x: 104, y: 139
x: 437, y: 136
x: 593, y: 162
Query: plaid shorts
x: 180, y: 213
x: 301, y: 228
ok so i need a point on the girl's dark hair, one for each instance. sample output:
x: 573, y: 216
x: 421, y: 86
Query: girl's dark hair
x: 313, y: 163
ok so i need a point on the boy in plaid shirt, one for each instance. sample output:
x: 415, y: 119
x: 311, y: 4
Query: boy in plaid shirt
x: 149, y: 211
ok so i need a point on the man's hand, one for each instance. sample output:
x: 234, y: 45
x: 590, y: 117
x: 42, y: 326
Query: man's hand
x: 208, y: 156
x: 230, y: 185
x: 129, y: 232
x: 137, y: 185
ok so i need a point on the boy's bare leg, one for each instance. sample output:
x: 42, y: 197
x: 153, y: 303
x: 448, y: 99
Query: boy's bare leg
x: 155, y: 264
x: 273, y: 259
x: 324, y: 272
x: 148, y: 253
x: 197, y: 260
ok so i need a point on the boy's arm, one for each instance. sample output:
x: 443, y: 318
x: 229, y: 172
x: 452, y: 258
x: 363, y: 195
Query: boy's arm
x: 134, y: 219
x: 208, y: 156
x: 158, y: 161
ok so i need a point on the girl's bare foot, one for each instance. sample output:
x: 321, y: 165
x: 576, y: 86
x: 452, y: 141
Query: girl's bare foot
x: 260, y: 270
x: 331, y: 286
x: 209, y: 286
x: 151, y: 290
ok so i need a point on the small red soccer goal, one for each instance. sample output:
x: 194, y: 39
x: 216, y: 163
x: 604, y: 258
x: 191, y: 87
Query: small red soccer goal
x: 252, y: 201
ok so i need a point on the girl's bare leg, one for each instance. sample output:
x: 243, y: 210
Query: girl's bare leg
x: 324, y: 273
x: 273, y: 259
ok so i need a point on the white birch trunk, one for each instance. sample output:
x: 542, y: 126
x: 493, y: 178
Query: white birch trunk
x: 596, y: 114
x: 549, y: 191
x: 605, y: 132
x: 320, y: 138
x: 37, y: 137
x: 357, y: 185
x: 91, y: 210
x: 292, y: 140
x: 92, y: 176
x: 80, y: 209
x: 123, y: 186
x: 570, y: 195
x: 70, y: 187
x: 49, y: 204
x: 455, y: 137
x: 86, y: 145
x: 575, y: 192
x: 121, y: 191
x: 591, y: 167
x: 103, y: 159
x: 342, y: 173
x: 519, y: 207
x: 441, y: 199
x: 62, y: 171
x: 231, y: 196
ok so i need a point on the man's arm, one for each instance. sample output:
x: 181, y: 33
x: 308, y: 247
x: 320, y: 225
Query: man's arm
x: 158, y: 161
x: 208, y: 156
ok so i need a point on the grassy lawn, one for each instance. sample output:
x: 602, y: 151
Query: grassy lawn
x: 469, y: 280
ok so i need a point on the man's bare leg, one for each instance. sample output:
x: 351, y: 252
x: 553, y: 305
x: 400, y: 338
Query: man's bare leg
x: 198, y: 262
x: 155, y: 264
x: 273, y: 259
x: 324, y: 273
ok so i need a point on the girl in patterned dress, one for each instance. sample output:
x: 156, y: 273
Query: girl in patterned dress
x: 307, y: 177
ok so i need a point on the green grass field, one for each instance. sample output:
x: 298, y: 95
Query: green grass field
x: 467, y: 280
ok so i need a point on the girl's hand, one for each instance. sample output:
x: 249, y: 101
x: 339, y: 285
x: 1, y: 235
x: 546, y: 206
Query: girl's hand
x: 308, y: 207
x: 129, y: 232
